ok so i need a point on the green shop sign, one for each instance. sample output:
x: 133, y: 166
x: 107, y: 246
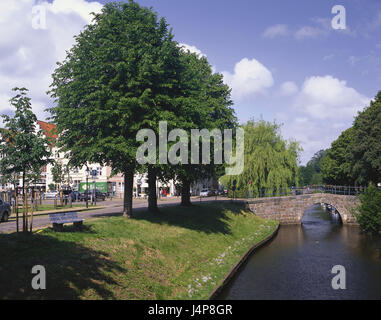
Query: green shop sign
x: 101, y: 186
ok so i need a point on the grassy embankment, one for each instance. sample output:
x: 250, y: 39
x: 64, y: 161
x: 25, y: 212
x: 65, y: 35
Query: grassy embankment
x: 183, y: 253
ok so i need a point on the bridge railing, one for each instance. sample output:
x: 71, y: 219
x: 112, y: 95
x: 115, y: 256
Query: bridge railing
x: 344, y: 190
x: 339, y: 190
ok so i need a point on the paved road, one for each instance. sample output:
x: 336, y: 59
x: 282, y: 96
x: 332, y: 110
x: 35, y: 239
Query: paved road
x: 114, y: 208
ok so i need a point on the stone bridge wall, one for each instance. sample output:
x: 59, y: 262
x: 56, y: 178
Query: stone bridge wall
x: 290, y: 210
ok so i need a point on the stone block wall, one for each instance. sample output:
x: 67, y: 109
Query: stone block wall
x: 290, y: 210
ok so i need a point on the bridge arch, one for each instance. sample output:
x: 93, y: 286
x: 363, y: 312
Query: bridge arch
x: 290, y: 210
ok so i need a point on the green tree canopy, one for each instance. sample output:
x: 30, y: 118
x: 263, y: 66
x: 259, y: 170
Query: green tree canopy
x: 355, y: 157
x: 119, y: 77
x: 369, y: 211
x: 335, y: 166
x: 58, y: 173
x: 311, y: 173
x: 24, y: 149
x: 365, y: 151
x: 270, y: 161
x: 205, y: 104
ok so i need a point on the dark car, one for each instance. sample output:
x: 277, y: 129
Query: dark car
x: 5, y: 211
x: 220, y: 192
x: 87, y: 195
x: 75, y: 196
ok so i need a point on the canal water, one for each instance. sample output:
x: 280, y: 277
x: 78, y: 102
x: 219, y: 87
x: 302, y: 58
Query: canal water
x: 297, y: 263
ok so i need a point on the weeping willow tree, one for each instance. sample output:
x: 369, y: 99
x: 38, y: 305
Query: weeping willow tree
x: 270, y: 162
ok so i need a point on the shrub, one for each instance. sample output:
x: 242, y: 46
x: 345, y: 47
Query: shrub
x: 369, y: 212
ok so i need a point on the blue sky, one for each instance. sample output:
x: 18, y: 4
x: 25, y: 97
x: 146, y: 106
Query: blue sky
x: 282, y: 59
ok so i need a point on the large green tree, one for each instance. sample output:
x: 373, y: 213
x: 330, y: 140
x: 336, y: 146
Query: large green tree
x: 270, y: 161
x: 365, y: 150
x: 205, y: 104
x: 336, y: 166
x: 311, y: 173
x: 119, y: 77
x: 369, y: 211
x: 23, y: 148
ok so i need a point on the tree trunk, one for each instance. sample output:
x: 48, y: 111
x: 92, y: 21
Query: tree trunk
x: 152, y: 195
x: 128, y: 192
x: 26, y: 212
x: 32, y: 205
x: 23, y: 203
x: 17, y: 207
x: 185, y: 193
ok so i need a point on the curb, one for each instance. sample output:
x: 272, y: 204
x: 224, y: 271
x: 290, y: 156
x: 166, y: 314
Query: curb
x: 47, y: 212
x: 238, y: 265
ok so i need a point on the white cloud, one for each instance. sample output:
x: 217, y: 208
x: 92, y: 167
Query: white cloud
x: 192, y: 49
x: 250, y: 77
x: 277, y: 30
x: 328, y: 57
x: 309, y: 32
x: 288, y: 88
x: 321, y: 27
x: 28, y: 56
x: 322, y: 109
x: 329, y: 98
x: 77, y: 7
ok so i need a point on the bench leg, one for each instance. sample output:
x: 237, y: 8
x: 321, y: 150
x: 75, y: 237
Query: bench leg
x: 58, y: 227
x: 78, y: 225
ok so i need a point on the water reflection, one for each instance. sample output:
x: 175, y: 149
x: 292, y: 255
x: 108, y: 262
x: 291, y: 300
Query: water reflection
x: 297, y: 264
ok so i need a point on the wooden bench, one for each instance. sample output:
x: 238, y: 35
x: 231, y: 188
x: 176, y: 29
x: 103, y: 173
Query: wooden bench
x: 59, y: 219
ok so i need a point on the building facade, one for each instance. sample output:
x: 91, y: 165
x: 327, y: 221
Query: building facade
x: 94, y: 175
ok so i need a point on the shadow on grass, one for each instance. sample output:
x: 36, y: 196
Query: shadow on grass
x: 208, y: 218
x: 71, y: 268
x: 84, y: 229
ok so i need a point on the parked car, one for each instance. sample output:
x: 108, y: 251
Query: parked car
x: 75, y: 195
x: 88, y: 193
x: 5, y: 211
x: 51, y: 195
x: 205, y: 193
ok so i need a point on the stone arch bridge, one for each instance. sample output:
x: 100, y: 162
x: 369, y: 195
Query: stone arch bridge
x: 290, y: 210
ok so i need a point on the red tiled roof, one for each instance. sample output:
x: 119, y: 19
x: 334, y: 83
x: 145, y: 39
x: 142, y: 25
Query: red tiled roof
x: 49, y: 129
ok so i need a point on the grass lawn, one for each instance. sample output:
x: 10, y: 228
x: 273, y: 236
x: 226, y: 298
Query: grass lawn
x: 182, y: 253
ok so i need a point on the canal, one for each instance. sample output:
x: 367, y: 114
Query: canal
x: 297, y: 263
